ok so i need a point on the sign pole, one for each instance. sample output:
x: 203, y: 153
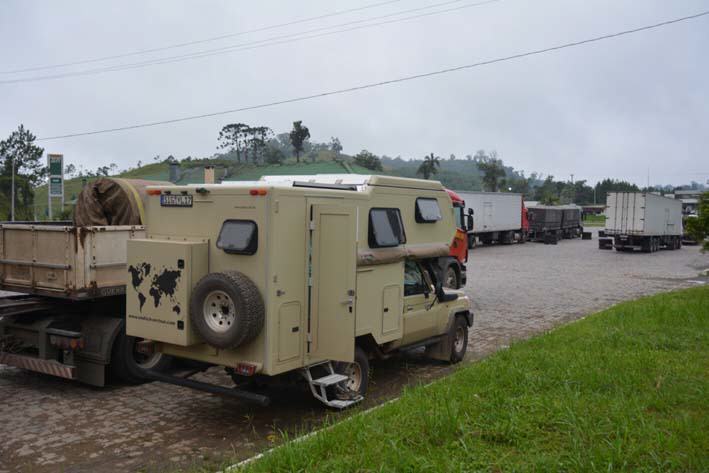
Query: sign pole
x: 12, y: 209
x: 55, y: 187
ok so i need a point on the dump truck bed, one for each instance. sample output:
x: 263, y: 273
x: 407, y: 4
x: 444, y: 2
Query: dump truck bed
x: 61, y: 260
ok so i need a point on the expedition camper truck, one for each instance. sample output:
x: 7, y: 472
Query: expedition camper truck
x: 309, y: 277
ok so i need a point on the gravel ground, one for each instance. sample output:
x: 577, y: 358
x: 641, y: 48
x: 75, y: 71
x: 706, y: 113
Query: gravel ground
x: 50, y: 424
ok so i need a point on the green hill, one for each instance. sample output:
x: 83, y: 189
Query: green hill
x: 192, y: 172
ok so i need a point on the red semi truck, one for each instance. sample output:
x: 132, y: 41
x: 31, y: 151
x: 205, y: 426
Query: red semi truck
x: 454, y: 264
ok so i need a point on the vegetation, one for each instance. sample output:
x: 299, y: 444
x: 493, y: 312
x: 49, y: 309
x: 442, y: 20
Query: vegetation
x: 243, y: 139
x: 248, y: 151
x: 592, y: 220
x: 493, y: 170
x: 19, y: 152
x: 368, y: 160
x: 698, y: 228
x: 429, y: 166
x: 298, y: 136
x: 622, y: 390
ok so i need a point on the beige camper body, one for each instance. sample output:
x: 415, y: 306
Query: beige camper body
x: 326, y: 285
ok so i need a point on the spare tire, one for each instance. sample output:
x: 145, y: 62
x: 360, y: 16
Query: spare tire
x: 227, y: 309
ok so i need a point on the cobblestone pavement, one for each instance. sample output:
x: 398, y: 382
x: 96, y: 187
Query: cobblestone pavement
x: 49, y: 424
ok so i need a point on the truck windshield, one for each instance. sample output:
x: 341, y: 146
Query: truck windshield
x: 458, y: 212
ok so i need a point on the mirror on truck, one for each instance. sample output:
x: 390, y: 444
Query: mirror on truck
x: 469, y: 220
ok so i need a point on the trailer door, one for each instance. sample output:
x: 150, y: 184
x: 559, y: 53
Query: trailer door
x: 333, y: 254
x: 488, y: 222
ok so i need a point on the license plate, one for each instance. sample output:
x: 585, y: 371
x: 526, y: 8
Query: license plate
x: 169, y: 200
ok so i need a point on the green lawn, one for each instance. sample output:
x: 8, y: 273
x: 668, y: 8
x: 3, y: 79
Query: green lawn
x: 625, y: 389
x: 594, y: 221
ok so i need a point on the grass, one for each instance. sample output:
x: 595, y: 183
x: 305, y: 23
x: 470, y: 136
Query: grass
x: 594, y: 220
x: 625, y: 389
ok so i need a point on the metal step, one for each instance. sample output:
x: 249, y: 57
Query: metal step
x: 344, y: 403
x: 330, y: 379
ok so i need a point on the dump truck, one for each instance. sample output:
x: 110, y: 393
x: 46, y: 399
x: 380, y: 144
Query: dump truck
x: 304, y: 278
x: 571, y: 221
x: 67, y: 315
x: 642, y: 221
x: 545, y: 223
x: 497, y: 217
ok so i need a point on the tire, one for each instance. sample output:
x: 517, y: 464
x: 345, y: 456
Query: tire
x: 452, y: 278
x: 226, y: 309
x: 128, y: 366
x: 459, y: 339
x: 358, y: 373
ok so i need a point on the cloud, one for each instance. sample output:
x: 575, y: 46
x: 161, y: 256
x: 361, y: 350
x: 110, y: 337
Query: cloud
x: 617, y: 108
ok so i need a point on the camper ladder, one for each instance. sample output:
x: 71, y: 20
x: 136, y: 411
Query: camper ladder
x: 318, y: 386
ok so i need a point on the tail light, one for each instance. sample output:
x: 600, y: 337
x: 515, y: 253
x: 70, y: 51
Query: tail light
x: 258, y: 192
x: 245, y: 369
x: 67, y: 343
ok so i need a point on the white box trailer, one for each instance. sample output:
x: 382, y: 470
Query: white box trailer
x: 497, y: 216
x: 642, y: 221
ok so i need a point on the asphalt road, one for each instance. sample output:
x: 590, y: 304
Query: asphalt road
x: 49, y: 424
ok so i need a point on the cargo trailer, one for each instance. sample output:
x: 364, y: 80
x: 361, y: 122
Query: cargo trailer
x: 642, y: 221
x: 497, y: 217
x: 545, y: 223
x: 571, y: 221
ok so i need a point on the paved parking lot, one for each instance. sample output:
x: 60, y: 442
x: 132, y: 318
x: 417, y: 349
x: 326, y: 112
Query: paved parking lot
x: 49, y: 424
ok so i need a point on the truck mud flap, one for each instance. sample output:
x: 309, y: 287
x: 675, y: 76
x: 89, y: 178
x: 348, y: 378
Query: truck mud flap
x: 259, y: 399
x: 38, y: 365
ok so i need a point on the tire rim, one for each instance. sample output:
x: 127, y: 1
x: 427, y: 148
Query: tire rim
x: 144, y: 361
x: 459, y: 341
x: 353, y: 371
x: 451, y: 279
x: 219, y: 311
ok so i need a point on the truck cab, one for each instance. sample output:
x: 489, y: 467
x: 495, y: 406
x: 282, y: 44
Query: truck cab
x: 455, y: 265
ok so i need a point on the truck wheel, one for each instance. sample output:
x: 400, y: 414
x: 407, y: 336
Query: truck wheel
x: 227, y: 309
x: 452, y: 279
x: 357, y: 373
x: 128, y: 365
x: 459, y: 339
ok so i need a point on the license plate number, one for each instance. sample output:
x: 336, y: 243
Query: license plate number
x: 169, y: 200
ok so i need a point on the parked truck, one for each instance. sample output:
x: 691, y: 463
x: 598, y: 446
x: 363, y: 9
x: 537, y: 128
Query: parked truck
x: 67, y: 316
x: 545, y: 223
x: 642, y: 221
x: 571, y: 221
x: 454, y: 264
x: 496, y: 217
x: 276, y: 280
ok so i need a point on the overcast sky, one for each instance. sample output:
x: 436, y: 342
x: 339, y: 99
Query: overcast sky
x: 616, y: 108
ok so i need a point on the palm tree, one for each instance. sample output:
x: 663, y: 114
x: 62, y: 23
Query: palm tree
x: 429, y: 166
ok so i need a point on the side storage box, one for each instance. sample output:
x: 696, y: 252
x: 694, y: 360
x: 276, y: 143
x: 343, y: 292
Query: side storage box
x: 161, y: 275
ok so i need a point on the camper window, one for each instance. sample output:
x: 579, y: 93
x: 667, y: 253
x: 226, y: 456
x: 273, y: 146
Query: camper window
x: 385, y: 228
x: 238, y: 237
x: 427, y: 210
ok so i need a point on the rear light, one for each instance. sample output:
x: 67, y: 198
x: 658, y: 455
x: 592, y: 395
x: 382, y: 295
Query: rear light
x: 153, y: 191
x: 258, y: 192
x: 66, y: 343
x: 245, y: 369
x: 145, y: 347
